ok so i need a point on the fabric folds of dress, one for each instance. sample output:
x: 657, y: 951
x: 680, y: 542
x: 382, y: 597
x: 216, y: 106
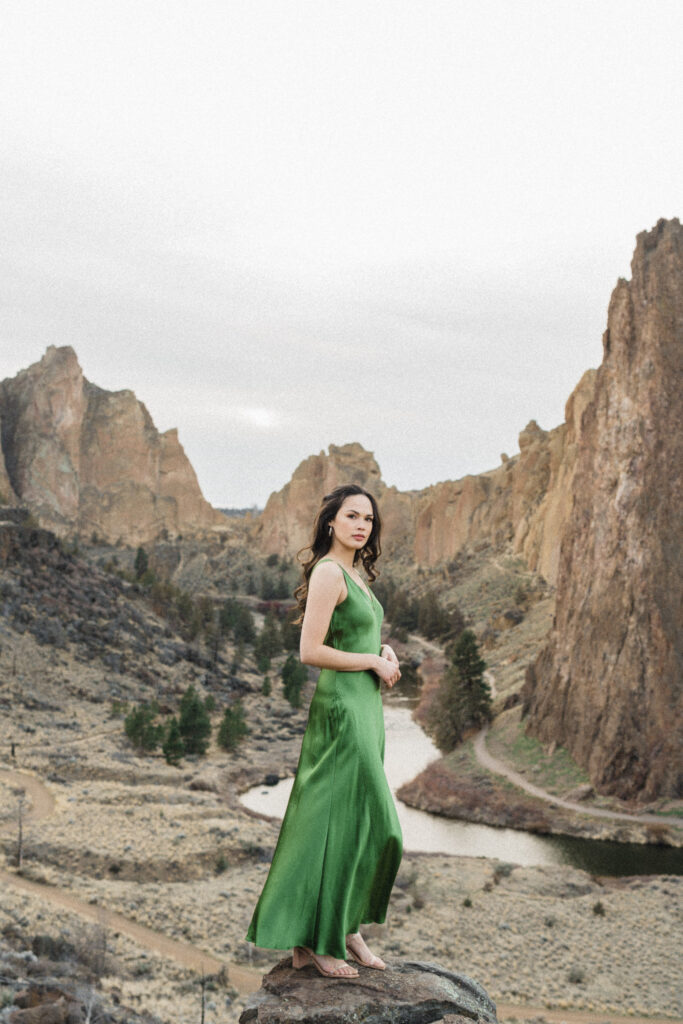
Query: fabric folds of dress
x: 340, y: 844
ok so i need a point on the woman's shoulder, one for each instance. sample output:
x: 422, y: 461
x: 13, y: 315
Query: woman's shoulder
x: 328, y: 569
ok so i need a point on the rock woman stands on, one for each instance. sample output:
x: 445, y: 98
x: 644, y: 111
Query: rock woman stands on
x: 340, y: 844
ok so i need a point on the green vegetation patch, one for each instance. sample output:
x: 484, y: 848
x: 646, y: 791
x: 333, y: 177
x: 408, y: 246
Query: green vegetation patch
x: 557, y: 771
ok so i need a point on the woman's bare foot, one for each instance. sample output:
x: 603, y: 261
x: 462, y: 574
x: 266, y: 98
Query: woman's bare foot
x: 326, y: 965
x: 355, y: 943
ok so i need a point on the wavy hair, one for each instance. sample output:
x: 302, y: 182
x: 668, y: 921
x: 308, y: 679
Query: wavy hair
x: 321, y: 542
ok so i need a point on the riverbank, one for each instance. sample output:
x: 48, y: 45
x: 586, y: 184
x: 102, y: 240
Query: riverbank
x: 457, y: 786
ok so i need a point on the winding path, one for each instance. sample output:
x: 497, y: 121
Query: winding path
x: 487, y: 760
x: 246, y: 980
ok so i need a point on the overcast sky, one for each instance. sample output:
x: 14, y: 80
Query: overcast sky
x: 294, y: 223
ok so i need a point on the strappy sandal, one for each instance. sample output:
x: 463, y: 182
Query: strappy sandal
x: 375, y: 963
x: 301, y: 956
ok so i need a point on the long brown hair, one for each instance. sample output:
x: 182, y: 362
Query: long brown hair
x: 322, y: 541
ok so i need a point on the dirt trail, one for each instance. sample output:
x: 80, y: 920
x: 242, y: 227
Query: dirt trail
x: 487, y: 760
x: 244, y: 979
x: 507, y: 1011
x: 247, y: 980
x: 42, y: 800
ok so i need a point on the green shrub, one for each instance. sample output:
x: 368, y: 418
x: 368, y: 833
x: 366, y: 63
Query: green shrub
x: 194, y: 723
x: 141, y: 563
x: 294, y: 676
x: 173, y: 746
x: 463, y: 700
x: 233, y: 727
x: 142, y: 729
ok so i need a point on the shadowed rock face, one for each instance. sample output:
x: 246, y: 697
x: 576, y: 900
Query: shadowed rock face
x: 608, y: 683
x: 89, y: 460
x: 406, y: 993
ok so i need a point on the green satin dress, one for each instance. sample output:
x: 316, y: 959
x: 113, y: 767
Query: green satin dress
x: 340, y: 844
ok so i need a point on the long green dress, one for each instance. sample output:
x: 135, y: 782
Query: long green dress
x: 340, y: 844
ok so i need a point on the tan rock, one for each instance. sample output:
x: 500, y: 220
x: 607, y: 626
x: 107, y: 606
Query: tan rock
x: 607, y: 685
x: 286, y: 522
x: 85, y: 459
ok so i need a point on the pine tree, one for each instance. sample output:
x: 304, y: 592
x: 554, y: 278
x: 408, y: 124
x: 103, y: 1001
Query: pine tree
x: 471, y: 666
x: 463, y: 700
x: 173, y: 746
x: 266, y: 687
x: 294, y: 676
x: 141, y: 563
x: 291, y: 634
x: 194, y: 724
x: 141, y: 728
x: 243, y: 629
x: 268, y: 643
x: 233, y: 727
x: 237, y: 658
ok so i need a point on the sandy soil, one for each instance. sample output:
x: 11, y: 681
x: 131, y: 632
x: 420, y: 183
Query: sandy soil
x: 129, y: 834
x: 172, y: 851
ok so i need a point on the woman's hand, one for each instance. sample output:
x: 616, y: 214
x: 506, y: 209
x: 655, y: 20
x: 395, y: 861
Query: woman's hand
x: 386, y: 651
x: 387, y: 670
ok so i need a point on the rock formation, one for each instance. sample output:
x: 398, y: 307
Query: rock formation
x: 84, y: 459
x: 607, y: 685
x: 285, y: 524
x: 522, y: 504
x: 406, y: 993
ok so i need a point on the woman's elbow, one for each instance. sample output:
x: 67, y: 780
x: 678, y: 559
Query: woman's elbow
x: 306, y: 654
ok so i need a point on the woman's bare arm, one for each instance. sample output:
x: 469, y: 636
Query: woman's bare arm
x: 325, y: 587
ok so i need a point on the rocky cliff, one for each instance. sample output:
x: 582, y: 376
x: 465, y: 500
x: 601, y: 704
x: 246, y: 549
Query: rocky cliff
x: 521, y: 505
x: 89, y: 460
x: 607, y: 684
x: 286, y: 522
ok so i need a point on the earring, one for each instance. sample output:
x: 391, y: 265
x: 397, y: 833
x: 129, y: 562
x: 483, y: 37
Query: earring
x: 329, y: 530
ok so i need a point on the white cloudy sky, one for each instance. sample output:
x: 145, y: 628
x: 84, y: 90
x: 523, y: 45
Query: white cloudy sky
x: 290, y: 223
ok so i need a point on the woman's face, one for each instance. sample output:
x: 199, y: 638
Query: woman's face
x: 352, y: 524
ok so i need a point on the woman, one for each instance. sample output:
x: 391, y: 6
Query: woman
x: 340, y: 844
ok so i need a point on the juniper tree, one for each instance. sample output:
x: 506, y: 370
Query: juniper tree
x: 141, y: 728
x: 463, y: 700
x: 233, y: 727
x: 141, y: 563
x: 173, y: 746
x: 294, y: 676
x: 194, y: 724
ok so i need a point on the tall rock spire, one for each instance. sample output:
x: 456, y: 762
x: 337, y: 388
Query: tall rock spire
x: 608, y: 683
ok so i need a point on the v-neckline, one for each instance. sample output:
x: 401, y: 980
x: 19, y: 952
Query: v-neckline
x: 367, y: 593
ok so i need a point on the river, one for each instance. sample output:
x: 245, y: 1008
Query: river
x: 409, y: 750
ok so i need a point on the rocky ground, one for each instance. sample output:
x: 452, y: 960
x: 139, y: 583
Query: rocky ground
x: 174, y: 850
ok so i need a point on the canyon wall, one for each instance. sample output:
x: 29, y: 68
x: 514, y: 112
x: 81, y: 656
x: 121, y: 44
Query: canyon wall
x: 608, y: 682
x: 521, y: 505
x: 88, y: 460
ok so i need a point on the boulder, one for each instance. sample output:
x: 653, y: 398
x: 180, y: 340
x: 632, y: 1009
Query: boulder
x: 408, y: 992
